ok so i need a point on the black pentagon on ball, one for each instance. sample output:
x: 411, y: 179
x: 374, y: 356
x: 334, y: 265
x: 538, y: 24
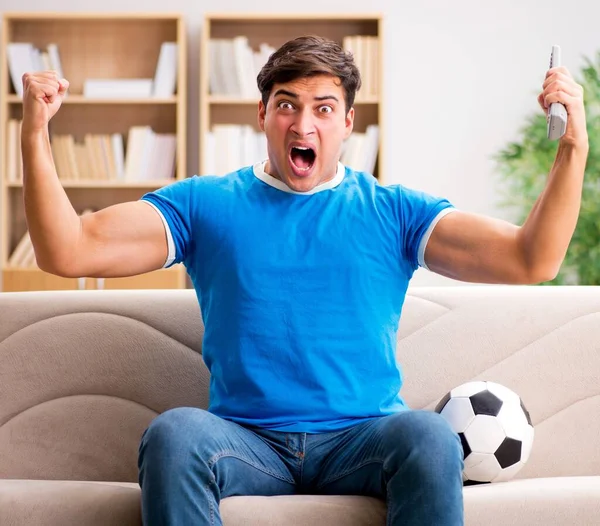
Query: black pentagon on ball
x: 509, y: 452
x: 442, y: 403
x: 465, y: 445
x: 486, y: 403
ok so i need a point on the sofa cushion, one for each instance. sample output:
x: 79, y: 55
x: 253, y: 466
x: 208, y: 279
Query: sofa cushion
x: 69, y: 503
x: 560, y: 501
x: 556, y: 501
x: 76, y: 396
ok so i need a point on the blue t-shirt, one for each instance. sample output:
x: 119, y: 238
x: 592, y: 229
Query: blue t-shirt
x: 300, y: 293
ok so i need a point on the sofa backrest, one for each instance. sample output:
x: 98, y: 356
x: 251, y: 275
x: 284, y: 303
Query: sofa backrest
x: 82, y: 373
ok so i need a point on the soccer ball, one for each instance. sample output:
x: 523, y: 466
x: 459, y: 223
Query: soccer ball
x: 494, y: 427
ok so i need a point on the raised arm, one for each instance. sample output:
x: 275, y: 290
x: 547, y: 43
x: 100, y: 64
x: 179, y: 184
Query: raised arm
x: 121, y: 240
x: 470, y: 247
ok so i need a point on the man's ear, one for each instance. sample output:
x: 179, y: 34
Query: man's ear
x: 349, y: 123
x: 262, y: 113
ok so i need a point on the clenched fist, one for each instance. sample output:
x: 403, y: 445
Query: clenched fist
x: 43, y: 93
x: 559, y: 86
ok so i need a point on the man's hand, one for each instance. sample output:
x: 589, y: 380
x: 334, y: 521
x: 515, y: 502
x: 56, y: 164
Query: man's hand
x: 559, y: 86
x: 43, y: 93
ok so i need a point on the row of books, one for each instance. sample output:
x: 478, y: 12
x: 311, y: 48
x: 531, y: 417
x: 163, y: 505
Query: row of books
x: 231, y: 146
x: 360, y: 149
x: 235, y: 65
x: 24, y: 57
x: 149, y: 156
x: 23, y: 255
x: 365, y: 50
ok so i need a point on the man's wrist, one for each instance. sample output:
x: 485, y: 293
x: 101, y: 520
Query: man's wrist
x: 30, y: 133
x: 572, y: 152
x: 34, y: 137
x: 581, y: 147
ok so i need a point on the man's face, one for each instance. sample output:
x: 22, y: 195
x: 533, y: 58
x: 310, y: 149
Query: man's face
x: 305, y: 122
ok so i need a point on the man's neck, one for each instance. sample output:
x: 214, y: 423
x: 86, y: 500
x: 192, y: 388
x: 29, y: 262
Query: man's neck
x: 273, y: 173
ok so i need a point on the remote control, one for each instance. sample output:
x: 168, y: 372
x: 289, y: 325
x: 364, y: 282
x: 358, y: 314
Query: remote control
x: 557, y: 114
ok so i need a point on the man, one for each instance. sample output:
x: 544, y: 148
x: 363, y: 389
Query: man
x: 301, y: 266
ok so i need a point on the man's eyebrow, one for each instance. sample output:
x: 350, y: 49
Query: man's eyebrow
x: 293, y: 95
x: 327, y: 97
x: 286, y: 93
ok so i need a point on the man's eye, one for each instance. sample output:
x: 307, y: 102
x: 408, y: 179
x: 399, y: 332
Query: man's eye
x: 325, y: 109
x: 285, y: 105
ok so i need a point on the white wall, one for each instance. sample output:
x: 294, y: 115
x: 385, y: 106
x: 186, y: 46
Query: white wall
x: 460, y: 78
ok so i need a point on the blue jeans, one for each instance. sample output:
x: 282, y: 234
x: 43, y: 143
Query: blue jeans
x: 191, y: 459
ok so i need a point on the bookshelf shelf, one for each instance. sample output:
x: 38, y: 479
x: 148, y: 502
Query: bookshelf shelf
x: 80, y: 99
x: 222, y: 99
x: 104, y: 16
x: 93, y: 136
x: 149, y: 185
x: 32, y: 278
x: 229, y: 98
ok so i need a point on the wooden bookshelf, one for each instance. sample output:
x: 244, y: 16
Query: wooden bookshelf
x: 221, y: 105
x: 94, y: 46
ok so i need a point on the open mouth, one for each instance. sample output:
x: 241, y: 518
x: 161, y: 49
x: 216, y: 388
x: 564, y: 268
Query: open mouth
x: 302, y: 157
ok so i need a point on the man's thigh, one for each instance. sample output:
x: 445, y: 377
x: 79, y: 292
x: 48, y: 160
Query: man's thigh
x: 361, y: 461
x: 203, y: 445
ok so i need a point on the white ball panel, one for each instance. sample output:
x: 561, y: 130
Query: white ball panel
x: 527, y: 443
x: 508, y: 473
x: 459, y: 413
x: 513, y: 420
x: 484, y: 434
x: 473, y: 459
x: 468, y: 389
x: 504, y: 393
x: 485, y: 471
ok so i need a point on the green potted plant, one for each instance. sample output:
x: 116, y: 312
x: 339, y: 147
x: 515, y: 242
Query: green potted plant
x: 523, y: 168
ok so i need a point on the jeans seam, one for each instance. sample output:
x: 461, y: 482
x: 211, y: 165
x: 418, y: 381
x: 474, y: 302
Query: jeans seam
x: 349, y: 472
x: 212, y: 508
x: 215, y: 458
x: 388, y: 521
x: 303, y: 456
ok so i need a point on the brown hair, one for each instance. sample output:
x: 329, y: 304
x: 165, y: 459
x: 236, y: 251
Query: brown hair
x: 308, y: 56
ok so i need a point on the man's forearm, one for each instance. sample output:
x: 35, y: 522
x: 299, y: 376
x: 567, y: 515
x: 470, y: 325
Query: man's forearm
x: 53, y: 224
x: 547, y: 232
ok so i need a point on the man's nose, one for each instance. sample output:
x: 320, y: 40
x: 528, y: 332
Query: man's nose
x: 304, y: 124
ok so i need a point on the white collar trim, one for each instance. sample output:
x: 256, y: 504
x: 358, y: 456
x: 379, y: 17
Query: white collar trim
x: 259, y: 172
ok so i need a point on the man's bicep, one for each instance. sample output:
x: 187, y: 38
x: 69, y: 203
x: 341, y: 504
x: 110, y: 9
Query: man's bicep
x: 124, y: 239
x: 423, y: 243
x: 171, y: 250
x: 475, y: 248
x: 417, y: 213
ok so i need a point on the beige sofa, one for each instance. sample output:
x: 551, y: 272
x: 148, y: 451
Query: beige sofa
x: 82, y: 373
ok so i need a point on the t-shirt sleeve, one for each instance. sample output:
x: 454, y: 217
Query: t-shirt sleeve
x: 172, y: 202
x: 419, y: 214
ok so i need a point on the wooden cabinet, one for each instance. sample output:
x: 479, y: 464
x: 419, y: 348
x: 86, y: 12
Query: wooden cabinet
x: 95, y: 49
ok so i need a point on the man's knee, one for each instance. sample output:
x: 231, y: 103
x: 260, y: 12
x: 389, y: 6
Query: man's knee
x: 176, y: 430
x: 425, y: 435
